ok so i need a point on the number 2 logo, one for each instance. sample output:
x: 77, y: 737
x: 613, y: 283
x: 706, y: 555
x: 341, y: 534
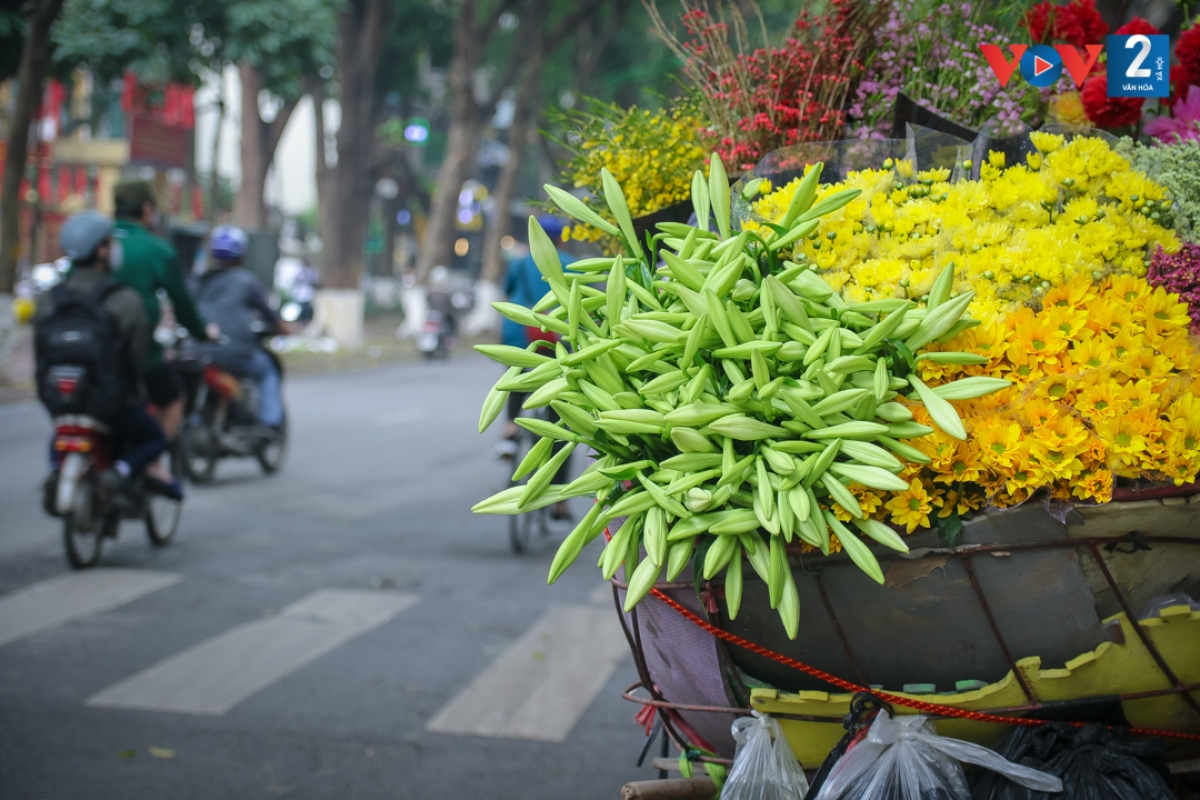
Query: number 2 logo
x: 1135, y: 68
x: 1138, y: 65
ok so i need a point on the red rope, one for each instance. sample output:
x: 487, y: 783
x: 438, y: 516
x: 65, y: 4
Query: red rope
x: 908, y: 702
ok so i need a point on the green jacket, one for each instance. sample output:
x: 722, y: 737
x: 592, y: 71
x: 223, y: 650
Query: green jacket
x: 147, y: 264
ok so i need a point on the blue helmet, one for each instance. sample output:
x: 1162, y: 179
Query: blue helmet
x: 228, y: 242
x: 553, y: 226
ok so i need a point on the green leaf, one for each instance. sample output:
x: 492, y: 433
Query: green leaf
x: 717, y: 773
x: 950, y: 528
x: 620, y: 210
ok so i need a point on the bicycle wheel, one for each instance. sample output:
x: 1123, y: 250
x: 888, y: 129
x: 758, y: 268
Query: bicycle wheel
x: 199, y: 452
x: 82, y: 536
x: 271, y: 452
x: 523, y: 527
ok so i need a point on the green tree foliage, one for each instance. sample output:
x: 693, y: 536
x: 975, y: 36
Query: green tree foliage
x: 179, y: 40
x: 287, y: 39
x: 12, y: 35
x: 416, y: 26
x: 160, y: 40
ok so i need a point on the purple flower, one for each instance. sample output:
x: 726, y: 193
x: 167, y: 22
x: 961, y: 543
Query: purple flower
x: 1179, y: 273
x: 1184, y: 125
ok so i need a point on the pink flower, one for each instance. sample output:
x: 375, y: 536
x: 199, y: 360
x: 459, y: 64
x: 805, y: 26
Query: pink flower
x: 1183, y: 125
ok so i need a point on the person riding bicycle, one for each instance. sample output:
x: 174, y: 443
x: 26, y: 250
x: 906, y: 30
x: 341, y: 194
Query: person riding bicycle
x: 146, y: 264
x: 525, y: 285
x: 86, y: 239
x: 229, y: 294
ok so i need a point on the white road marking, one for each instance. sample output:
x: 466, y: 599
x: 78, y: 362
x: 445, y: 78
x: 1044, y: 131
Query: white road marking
x: 216, y: 675
x: 541, y: 686
x: 400, y: 417
x: 78, y: 594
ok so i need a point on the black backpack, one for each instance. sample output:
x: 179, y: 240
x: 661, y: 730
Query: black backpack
x: 80, y: 354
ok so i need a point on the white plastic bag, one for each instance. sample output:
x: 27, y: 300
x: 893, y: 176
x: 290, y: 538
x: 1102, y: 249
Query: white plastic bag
x: 905, y: 759
x: 764, y: 766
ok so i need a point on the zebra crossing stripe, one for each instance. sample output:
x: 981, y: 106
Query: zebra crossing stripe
x: 53, y: 602
x: 216, y: 675
x: 540, y: 687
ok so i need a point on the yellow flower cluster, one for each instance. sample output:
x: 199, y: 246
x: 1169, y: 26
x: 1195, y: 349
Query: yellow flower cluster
x: 1106, y: 383
x: 652, y: 154
x: 1075, y: 209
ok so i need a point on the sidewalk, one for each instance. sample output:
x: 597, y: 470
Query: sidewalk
x: 380, y: 346
x: 20, y: 388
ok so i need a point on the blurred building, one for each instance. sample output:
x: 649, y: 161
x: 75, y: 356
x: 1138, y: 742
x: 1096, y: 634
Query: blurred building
x: 87, y: 137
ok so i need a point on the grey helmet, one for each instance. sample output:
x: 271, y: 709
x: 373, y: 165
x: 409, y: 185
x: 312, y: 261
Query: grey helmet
x: 83, y: 233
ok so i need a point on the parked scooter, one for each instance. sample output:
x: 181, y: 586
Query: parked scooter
x: 90, y: 515
x: 221, y: 419
x: 443, y: 303
x: 437, y: 340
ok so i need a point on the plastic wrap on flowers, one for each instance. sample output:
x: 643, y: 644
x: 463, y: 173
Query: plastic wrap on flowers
x: 1054, y: 250
x: 782, y: 166
x: 923, y: 149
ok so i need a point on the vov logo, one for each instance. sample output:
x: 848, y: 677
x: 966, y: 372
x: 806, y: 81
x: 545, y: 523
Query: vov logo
x: 1137, y: 64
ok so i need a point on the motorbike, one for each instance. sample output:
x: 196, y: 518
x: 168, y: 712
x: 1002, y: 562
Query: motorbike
x: 436, y: 341
x: 85, y: 449
x: 221, y: 419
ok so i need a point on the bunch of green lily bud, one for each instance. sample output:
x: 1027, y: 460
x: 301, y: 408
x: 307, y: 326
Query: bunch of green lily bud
x: 730, y: 398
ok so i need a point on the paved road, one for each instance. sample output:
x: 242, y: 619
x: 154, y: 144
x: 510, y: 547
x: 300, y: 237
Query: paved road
x: 308, y: 633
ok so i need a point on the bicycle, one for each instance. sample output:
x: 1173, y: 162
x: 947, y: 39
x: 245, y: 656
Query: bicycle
x: 523, y: 527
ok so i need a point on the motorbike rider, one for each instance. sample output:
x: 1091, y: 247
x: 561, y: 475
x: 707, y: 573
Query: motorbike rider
x: 86, y: 238
x: 230, y: 294
x: 439, y: 298
x: 146, y: 264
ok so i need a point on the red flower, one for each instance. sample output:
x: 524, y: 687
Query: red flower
x: 1137, y: 25
x: 1080, y: 24
x: 1105, y: 111
x: 1187, y: 53
x: 1077, y: 23
x: 1039, y: 21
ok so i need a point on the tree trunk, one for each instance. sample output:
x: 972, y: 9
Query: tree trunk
x: 520, y: 135
x: 35, y: 58
x: 359, y: 43
x: 259, y: 139
x: 214, y: 179
x: 249, y: 210
x: 460, y: 145
x: 315, y: 87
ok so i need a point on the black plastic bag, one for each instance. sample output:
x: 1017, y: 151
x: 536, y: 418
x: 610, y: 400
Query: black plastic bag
x: 1093, y: 762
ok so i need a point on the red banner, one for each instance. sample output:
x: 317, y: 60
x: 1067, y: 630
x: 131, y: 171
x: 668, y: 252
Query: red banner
x: 154, y: 144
